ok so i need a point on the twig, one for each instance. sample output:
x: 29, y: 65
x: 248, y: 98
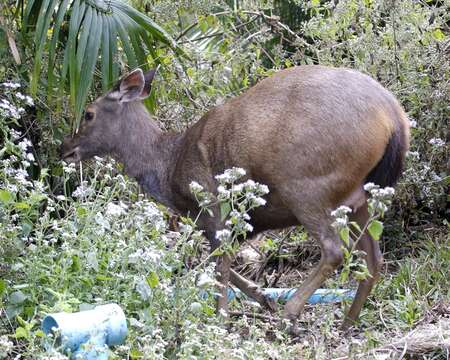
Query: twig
x: 254, y: 315
x: 11, y: 41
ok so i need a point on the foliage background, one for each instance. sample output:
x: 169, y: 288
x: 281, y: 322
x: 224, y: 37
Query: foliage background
x: 53, y: 258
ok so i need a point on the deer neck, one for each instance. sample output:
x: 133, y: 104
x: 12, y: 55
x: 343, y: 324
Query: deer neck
x: 150, y: 157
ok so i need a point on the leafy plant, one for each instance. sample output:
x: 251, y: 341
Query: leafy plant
x: 85, y: 32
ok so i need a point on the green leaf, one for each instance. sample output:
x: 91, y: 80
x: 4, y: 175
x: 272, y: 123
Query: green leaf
x: 78, y: 8
x: 21, y: 333
x: 107, y: 59
x: 54, y: 42
x: 2, y: 287
x: 88, y: 63
x: 75, y: 267
x: 83, y: 36
x: 44, y: 19
x: 344, y: 233
x: 17, y: 297
x: 136, y: 354
x: 225, y: 209
x: 81, y: 211
x: 375, y: 229
x: 129, y: 52
x: 103, y: 278
x: 21, y: 205
x: 26, y: 228
x: 438, y: 34
x: 203, y: 24
x: 152, y: 280
x: 356, y: 226
x: 6, y: 197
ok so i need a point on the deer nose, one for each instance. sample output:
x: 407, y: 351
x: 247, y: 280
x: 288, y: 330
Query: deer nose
x: 66, y: 144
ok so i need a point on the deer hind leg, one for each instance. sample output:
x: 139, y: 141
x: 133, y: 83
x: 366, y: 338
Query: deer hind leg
x: 331, y: 258
x: 252, y: 290
x: 374, y: 261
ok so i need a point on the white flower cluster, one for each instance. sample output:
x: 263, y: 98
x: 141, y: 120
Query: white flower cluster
x: 114, y: 210
x: 83, y: 191
x: 9, y: 110
x: 238, y: 221
x: 11, y: 85
x: 203, y: 197
x: 6, y: 347
x: 437, y: 142
x: 341, y: 217
x: 223, y: 235
x: 380, y: 197
x: 230, y: 175
x: 145, y: 256
x: 27, y: 99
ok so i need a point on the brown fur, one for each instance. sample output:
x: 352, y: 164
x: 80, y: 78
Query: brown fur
x: 313, y: 134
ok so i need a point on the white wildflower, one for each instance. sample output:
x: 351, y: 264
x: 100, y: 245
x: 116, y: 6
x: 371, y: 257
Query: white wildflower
x: 341, y: 211
x: 370, y: 186
x: 223, y: 235
x: 69, y: 168
x: 11, y: 85
x: 230, y: 175
x: 205, y: 280
x: 15, y: 134
x: 437, y: 142
x: 340, y: 222
x: 6, y: 346
x: 259, y: 201
x: 30, y: 157
x: 24, y: 144
x: 223, y: 192
x: 61, y: 198
x: 413, y: 154
x: 114, y: 210
x: 195, y: 187
x: 83, y: 191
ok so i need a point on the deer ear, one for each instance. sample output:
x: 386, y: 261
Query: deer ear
x: 131, y: 86
x: 148, y: 76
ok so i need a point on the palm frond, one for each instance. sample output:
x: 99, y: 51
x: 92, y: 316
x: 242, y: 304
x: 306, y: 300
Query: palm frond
x: 85, y: 33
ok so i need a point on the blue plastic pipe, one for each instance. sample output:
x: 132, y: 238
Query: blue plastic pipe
x: 320, y: 296
x: 87, y: 334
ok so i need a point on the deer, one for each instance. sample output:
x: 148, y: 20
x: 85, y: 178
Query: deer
x: 313, y: 134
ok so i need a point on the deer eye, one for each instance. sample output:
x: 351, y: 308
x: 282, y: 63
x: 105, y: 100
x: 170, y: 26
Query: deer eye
x: 88, y: 116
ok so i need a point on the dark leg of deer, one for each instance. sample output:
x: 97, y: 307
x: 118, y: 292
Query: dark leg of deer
x: 331, y: 258
x: 223, y: 276
x: 252, y: 290
x: 374, y: 261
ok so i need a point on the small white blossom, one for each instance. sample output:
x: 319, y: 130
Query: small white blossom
x: 114, y: 210
x: 30, y: 157
x: 24, y: 144
x: 369, y: 186
x: 205, y: 280
x: 69, y: 168
x: 437, y: 142
x: 223, y: 193
x: 413, y: 154
x: 195, y: 187
x: 230, y: 175
x: 259, y: 201
x: 11, y: 85
x: 341, y: 211
x: 6, y: 346
x: 223, y: 235
x: 83, y: 191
